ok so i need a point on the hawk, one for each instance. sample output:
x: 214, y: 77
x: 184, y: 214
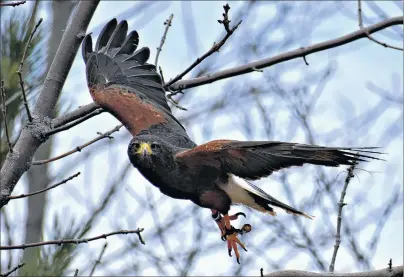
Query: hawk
x: 214, y: 175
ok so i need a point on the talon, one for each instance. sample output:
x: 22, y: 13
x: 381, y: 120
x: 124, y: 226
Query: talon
x: 236, y: 215
x: 241, y: 213
x: 238, y: 260
x: 230, y: 252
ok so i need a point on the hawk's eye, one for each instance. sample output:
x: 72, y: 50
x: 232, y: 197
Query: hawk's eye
x: 136, y: 145
x: 154, y: 145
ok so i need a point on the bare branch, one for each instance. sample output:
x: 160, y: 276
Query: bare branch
x: 396, y: 272
x: 99, y: 259
x: 74, y: 123
x: 74, y: 115
x: 3, y: 102
x: 215, y: 48
x: 290, y: 55
x: 73, y: 241
x: 15, y: 165
x: 19, y: 71
x: 360, y: 22
x: 163, y: 39
x: 12, y: 4
x: 79, y: 148
x: 341, y: 204
x: 46, y: 189
x: 14, y: 269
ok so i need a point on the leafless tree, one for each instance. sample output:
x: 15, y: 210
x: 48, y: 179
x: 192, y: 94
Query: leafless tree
x: 267, y: 107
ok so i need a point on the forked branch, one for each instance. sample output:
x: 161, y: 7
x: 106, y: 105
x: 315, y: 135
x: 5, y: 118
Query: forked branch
x: 215, y: 48
x: 360, y: 22
x: 341, y: 204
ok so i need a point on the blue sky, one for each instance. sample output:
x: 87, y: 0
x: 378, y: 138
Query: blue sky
x: 356, y: 65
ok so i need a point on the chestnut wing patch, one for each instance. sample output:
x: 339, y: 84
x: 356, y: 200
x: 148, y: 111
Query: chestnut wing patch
x: 127, y: 107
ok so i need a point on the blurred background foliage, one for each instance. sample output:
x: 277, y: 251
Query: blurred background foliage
x: 286, y: 102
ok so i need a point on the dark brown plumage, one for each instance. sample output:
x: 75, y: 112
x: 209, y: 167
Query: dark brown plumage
x: 212, y: 175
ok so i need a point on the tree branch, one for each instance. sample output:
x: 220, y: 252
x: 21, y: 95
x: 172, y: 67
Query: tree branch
x: 12, y: 270
x: 98, y: 261
x: 290, y: 55
x: 48, y: 188
x: 19, y: 71
x: 74, y: 241
x: 30, y: 139
x: 79, y: 148
x: 360, y: 23
x: 12, y: 4
x: 397, y: 271
x: 74, y: 123
x: 4, y: 111
x: 215, y: 48
x: 74, y: 115
x: 163, y: 38
x: 341, y: 204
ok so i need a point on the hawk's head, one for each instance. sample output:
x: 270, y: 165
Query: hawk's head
x: 150, y: 151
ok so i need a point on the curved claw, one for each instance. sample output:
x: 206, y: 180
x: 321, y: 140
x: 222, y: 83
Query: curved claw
x: 230, y: 252
x: 236, y: 215
x: 241, y: 213
x: 238, y: 260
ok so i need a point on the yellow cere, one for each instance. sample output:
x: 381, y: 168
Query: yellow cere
x: 144, y: 146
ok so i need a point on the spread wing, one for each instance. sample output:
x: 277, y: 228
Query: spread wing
x: 123, y: 83
x: 256, y: 159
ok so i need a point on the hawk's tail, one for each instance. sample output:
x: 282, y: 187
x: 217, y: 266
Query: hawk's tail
x: 243, y: 192
x: 116, y: 60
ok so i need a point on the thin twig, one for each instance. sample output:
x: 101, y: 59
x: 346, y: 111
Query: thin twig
x: 74, y: 123
x: 48, y: 188
x: 163, y: 38
x: 79, y: 148
x: 341, y: 204
x: 73, y: 241
x: 12, y: 270
x: 12, y: 4
x: 98, y: 261
x: 213, y: 49
x: 360, y: 22
x: 390, y: 264
x: 19, y: 71
x: 74, y: 115
x: 175, y: 103
x: 3, y: 102
x: 283, y: 57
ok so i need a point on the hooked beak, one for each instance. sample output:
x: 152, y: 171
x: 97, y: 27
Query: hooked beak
x: 144, y: 150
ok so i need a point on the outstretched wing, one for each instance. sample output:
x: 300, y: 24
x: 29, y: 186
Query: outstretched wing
x: 123, y: 83
x: 256, y: 159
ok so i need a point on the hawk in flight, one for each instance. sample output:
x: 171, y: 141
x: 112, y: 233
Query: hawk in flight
x: 213, y: 175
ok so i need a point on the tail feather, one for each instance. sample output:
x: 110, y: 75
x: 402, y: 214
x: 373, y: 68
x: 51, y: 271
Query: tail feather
x: 246, y: 193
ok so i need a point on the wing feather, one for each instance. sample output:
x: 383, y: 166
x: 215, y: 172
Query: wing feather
x: 123, y: 83
x: 256, y: 159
